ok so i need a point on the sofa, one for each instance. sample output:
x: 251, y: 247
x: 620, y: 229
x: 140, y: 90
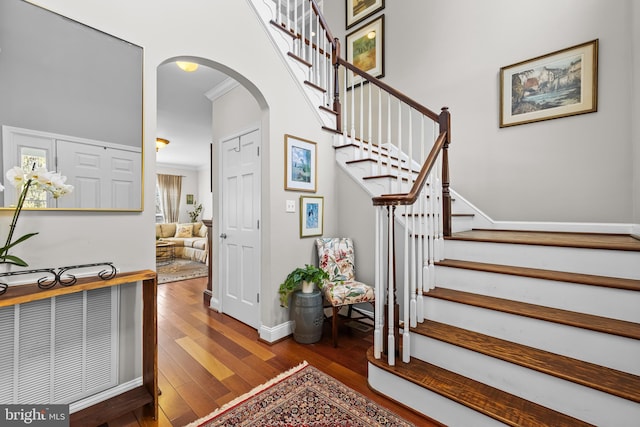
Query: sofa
x: 190, y: 239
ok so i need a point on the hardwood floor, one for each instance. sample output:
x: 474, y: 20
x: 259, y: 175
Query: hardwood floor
x: 207, y: 359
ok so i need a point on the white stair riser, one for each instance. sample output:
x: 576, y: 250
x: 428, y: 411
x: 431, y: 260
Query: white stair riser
x: 603, y: 349
x: 461, y: 223
x: 625, y: 264
x: 597, y: 300
x: 427, y: 402
x: 569, y: 398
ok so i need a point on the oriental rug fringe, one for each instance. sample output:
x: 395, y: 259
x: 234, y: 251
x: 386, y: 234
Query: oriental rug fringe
x: 302, y: 397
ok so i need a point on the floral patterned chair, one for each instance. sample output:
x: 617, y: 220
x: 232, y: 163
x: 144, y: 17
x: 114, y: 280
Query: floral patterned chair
x: 336, y: 257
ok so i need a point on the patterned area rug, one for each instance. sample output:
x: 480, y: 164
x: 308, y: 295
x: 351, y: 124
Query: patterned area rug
x: 181, y: 269
x: 302, y: 396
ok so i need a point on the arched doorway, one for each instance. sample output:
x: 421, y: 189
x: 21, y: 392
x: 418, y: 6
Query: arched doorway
x: 229, y: 107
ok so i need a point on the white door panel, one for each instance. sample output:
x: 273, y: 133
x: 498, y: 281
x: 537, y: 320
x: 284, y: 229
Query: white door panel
x: 240, y: 234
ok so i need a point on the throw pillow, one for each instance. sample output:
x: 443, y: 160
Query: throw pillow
x: 184, y: 230
x: 203, y: 231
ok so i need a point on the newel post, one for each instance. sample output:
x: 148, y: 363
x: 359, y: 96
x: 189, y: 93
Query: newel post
x: 335, y: 54
x: 444, y: 122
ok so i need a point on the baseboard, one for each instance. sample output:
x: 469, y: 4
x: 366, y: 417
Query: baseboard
x: 214, y: 304
x: 104, y: 395
x: 275, y: 333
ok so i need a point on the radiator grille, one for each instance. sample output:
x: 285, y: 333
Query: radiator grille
x: 59, y: 350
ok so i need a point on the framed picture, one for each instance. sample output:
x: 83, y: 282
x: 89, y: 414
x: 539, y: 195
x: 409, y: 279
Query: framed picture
x: 365, y: 49
x: 189, y: 199
x: 300, y: 164
x: 359, y: 10
x: 311, y: 215
x: 559, y: 84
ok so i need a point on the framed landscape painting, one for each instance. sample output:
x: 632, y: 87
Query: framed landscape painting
x: 300, y: 164
x: 365, y: 49
x: 311, y: 216
x: 559, y: 84
x: 359, y: 10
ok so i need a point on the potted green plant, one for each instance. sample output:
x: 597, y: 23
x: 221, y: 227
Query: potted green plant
x: 297, y: 278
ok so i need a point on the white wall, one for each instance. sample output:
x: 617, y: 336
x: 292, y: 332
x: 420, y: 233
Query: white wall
x: 575, y: 169
x: 635, y: 112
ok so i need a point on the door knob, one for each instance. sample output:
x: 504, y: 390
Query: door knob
x: 223, y: 235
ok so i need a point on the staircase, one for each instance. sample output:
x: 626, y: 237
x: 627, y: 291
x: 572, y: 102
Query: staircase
x: 496, y: 327
x: 506, y: 341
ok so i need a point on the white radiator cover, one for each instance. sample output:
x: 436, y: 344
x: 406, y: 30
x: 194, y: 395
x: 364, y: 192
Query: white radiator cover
x: 59, y: 350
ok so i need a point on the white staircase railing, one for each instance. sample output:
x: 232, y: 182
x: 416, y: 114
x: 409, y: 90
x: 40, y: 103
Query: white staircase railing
x: 393, y: 133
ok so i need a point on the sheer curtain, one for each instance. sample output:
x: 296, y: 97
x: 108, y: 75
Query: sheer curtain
x: 170, y: 188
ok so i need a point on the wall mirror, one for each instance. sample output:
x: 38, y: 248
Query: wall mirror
x: 70, y: 101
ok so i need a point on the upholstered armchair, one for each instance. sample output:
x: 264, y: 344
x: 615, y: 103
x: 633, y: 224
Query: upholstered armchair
x: 336, y: 256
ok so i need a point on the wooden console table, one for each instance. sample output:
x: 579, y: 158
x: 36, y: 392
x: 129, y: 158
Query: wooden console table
x: 145, y: 396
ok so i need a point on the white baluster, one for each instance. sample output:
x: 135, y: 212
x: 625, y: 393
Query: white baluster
x: 379, y: 132
x: 379, y: 294
x: 423, y: 217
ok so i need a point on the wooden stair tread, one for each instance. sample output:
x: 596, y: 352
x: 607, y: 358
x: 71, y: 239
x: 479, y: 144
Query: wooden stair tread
x: 580, y: 320
x: 617, y: 383
x: 560, y: 276
x: 497, y: 404
x: 619, y: 242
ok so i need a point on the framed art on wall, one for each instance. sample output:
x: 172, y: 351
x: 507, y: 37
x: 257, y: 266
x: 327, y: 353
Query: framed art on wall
x: 359, y: 10
x: 300, y: 164
x: 559, y: 84
x: 311, y: 216
x: 365, y: 49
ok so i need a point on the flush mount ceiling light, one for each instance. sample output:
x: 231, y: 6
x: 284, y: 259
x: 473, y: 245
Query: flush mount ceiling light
x: 189, y: 67
x: 161, y: 143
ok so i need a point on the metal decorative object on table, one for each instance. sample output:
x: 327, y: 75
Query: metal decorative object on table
x: 61, y: 276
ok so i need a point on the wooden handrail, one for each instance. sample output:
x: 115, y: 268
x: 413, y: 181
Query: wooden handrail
x: 410, y: 197
x: 397, y: 94
x: 323, y: 22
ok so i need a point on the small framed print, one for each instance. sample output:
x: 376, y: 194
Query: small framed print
x: 311, y: 216
x: 365, y: 50
x: 359, y: 10
x: 189, y: 199
x: 300, y: 164
x: 558, y: 84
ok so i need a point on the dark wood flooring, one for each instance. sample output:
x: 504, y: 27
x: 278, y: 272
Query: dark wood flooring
x: 207, y: 359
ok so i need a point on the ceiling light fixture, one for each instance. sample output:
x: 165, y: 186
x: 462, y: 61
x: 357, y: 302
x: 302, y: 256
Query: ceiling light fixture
x: 189, y: 67
x: 161, y: 143
x: 371, y: 35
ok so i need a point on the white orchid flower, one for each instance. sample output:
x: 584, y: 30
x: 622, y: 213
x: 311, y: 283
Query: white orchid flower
x: 15, y: 175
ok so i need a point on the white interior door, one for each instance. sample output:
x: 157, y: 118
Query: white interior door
x: 240, y: 228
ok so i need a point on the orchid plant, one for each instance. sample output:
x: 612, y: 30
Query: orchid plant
x: 23, y: 181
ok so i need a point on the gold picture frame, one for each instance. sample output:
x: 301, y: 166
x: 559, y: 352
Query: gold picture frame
x: 300, y: 157
x: 559, y: 84
x: 359, y: 10
x: 311, y: 216
x: 365, y: 50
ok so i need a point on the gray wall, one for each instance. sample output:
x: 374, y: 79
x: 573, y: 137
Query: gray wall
x: 63, y: 77
x: 576, y: 169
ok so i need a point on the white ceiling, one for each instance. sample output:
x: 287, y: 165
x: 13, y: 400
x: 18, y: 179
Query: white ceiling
x: 184, y: 114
